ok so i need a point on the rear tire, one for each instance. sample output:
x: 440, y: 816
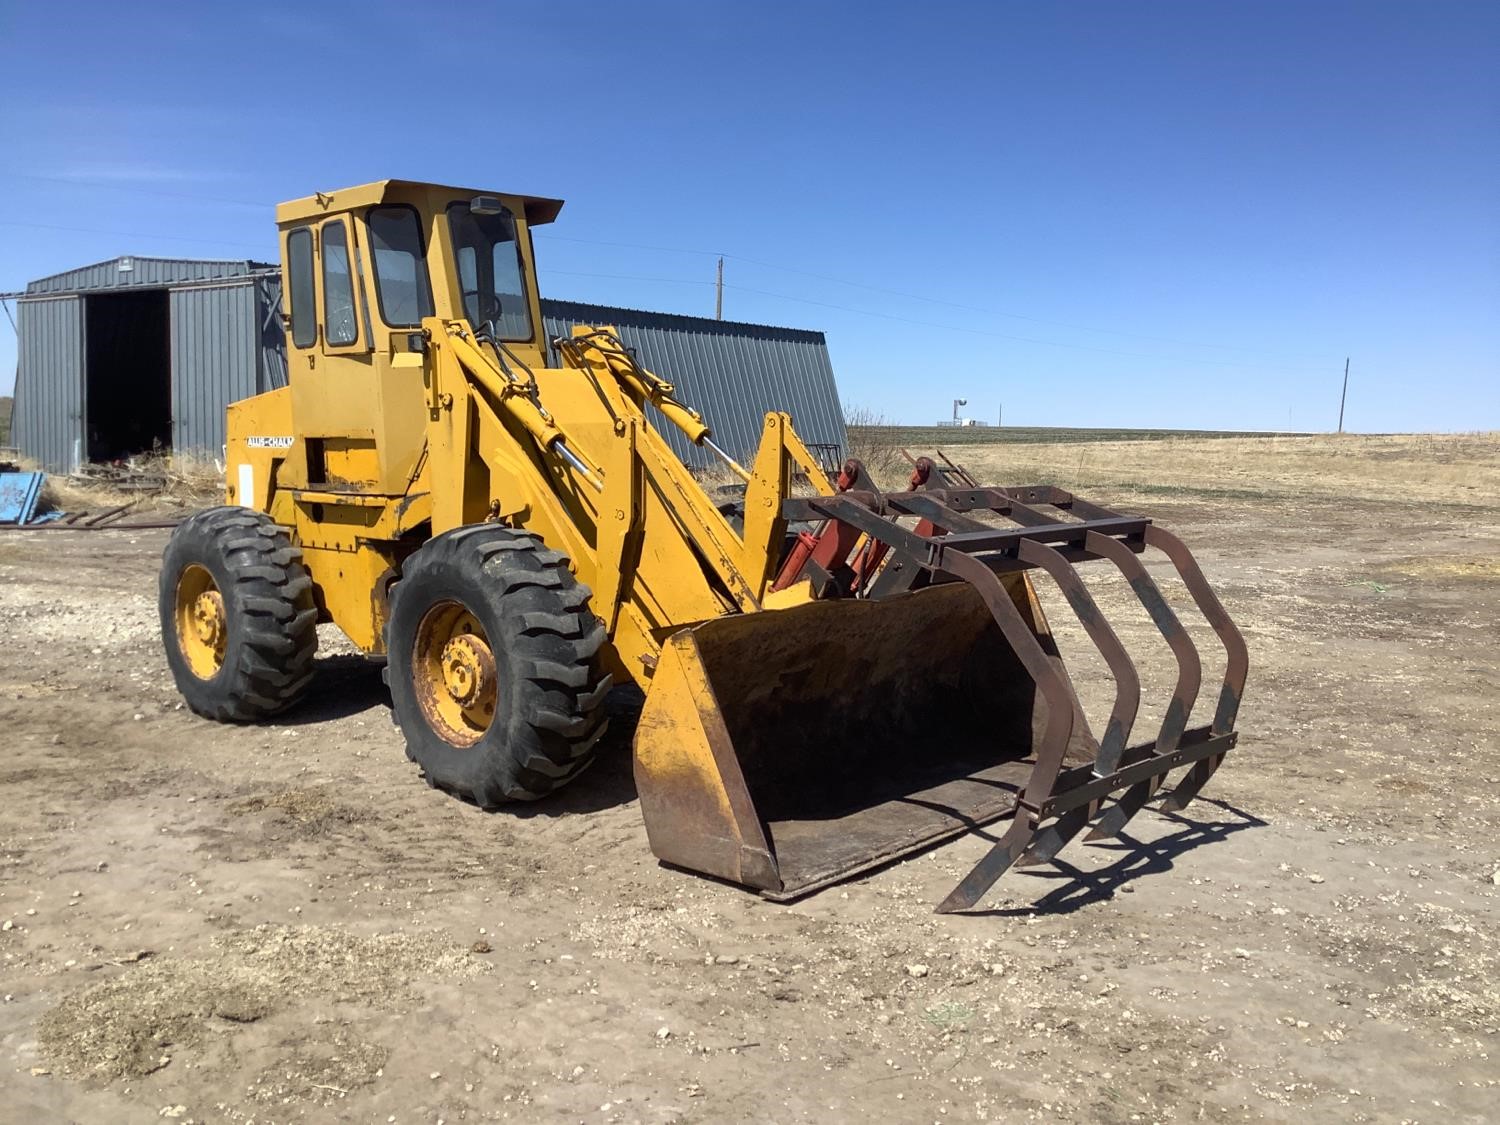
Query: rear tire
x: 237, y: 615
x: 493, y: 666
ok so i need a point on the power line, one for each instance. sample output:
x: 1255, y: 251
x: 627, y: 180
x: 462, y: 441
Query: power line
x: 920, y: 297
x: 134, y: 234
x: 137, y: 188
x: 1000, y: 312
x: 627, y: 277
x: 992, y: 334
x: 549, y: 236
x: 988, y: 333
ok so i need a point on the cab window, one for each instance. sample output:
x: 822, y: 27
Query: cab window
x: 489, y: 270
x: 339, y: 324
x: 299, y: 257
x: 401, y: 284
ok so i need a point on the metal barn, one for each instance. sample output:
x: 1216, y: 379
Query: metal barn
x: 133, y: 354
x: 139, y: 353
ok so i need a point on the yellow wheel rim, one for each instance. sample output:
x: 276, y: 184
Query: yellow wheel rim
x: 454, y: 673
x: 202, y: 627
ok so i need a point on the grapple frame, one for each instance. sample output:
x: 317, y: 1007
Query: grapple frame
x: 863, y: 549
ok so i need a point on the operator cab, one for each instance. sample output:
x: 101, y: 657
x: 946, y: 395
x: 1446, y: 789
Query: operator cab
x: 365, y: 262
x: 363, y: 267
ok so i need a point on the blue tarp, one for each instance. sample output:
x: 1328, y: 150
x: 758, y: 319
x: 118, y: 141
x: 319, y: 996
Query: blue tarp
x: 19, y: 493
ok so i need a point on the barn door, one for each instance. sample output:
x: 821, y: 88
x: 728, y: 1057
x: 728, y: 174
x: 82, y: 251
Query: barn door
x: 49, y: 406
x: 215, y: 356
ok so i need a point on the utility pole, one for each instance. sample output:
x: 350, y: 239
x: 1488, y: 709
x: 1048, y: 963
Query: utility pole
x: 1343, y: 394
x: 719, y: 293
x: 1000, y: 416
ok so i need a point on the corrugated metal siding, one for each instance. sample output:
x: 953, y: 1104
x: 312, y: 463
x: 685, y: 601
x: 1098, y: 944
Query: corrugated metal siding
x: 147, y: 273
x: 215, y: 360
x: 731, y: 373
x: 272, y: 336
x: 48, y: 423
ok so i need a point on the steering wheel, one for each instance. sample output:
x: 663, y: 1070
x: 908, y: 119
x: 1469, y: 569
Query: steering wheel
x: 485, y: 303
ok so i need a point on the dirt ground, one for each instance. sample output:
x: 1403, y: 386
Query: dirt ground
x: 282, y: 923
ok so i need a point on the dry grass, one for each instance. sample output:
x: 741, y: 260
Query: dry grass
x: 1402, y: 468
x: 64, y: 494
x: 724, y: 487
x: 185, y: 481
x: 875, y: 442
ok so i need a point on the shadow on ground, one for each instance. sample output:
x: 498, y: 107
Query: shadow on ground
x: 342, y: 686
x: 1137, y: 858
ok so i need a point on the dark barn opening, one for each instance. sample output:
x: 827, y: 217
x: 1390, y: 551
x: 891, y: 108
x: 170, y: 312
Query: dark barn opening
x: 128, y: 373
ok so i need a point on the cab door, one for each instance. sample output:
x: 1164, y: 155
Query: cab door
x: 345, y: 320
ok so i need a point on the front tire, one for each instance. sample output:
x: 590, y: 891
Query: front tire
x: 237, y: 615
x: 493, y: 666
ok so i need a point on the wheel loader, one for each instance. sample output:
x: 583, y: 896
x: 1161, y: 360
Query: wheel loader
x: 834, y: 676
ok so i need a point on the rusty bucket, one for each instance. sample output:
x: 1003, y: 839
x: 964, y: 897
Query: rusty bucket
x: 790, y: 749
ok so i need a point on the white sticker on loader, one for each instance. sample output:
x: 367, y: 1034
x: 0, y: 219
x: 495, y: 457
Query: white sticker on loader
x: 247, y: 486
x: 268, y: 442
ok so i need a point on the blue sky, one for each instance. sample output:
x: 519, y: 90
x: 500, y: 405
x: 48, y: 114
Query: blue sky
x: 1135, y: 214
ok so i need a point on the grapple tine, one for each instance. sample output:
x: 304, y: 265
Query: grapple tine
x: 1055, y: 733
x: 1184, y: 694
x: 1195, y: 779
x: 1238, y: 666
x: 973, y: 886
x: 1023, y: 642
x: 1127, y: 679
x: 1132, y: 801
x: 1189, y: 667
x: 1052, y: 839
x: 1236, y: 669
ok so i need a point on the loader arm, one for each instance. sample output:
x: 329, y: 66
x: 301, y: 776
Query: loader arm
x: 573, y: 454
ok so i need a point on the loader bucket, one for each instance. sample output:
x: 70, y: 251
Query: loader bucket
x: 788, y: 749
x: 792, y: 748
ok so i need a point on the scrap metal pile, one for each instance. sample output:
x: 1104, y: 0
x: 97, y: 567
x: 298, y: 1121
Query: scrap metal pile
x: 23, y: 506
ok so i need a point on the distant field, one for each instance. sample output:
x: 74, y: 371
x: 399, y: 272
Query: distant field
x: 6, y: 404
x: 1454, y: 469
x: 988, y: 435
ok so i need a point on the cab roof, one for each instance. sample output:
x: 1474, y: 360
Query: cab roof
x: 538, y: 209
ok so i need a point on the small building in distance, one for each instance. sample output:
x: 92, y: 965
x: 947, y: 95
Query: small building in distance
x: 135, y: 354
x: 132, y: 354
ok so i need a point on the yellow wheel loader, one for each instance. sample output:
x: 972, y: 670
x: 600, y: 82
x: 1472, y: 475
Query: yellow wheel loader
x: 833, y: 679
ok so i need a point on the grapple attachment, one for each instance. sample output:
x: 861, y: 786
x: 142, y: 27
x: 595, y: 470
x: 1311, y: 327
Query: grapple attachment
x: 921, y: 697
